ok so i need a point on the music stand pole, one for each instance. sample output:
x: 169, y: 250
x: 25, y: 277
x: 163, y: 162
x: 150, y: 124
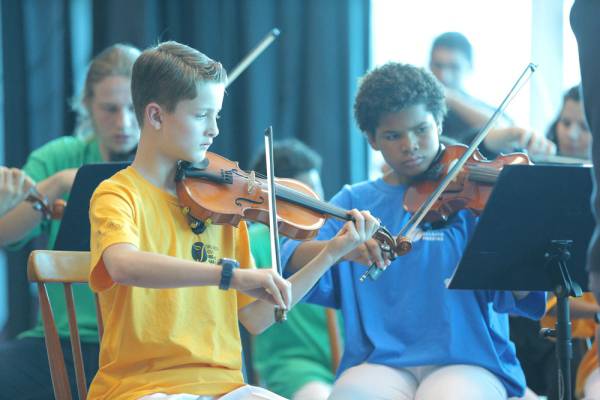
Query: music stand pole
x: 556, y: 259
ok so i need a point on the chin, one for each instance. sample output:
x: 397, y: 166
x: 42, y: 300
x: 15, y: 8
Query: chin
x: 197, y: 157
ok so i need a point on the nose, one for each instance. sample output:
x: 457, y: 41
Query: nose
x: 212, y: 130
x: 410, y: 143
x: 125, y: 119
x: 574, y: 132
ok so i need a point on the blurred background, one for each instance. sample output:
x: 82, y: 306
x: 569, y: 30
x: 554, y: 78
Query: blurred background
x: 303, y: 84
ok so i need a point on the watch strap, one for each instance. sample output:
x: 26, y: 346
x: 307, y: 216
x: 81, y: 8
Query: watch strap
x: 227, y: 267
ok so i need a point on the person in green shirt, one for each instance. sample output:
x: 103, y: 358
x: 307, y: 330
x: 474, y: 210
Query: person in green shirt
x: 292, y: 359
x: 107, y: 130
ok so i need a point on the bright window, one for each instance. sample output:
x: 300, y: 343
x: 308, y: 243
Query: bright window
x: 502, y: 34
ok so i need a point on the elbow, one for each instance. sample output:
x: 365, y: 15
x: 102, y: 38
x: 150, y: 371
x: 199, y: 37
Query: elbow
x: 253, y: 329
x: 250, y: 322
x: 117, y: 267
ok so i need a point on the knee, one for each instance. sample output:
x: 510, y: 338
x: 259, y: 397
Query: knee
x: 314, y: 390
x: 461, y: 382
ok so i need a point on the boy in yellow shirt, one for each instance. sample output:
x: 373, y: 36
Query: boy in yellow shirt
x: 171, y: 331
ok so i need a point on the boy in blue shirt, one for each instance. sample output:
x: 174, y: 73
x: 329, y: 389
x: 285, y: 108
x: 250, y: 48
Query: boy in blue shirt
x: 408, y: 336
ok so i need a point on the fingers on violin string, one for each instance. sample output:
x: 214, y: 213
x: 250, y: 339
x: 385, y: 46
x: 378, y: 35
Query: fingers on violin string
x: 374, y: 225
x: 359, y: 220
x: 375, y: 254
x: 352, y: 231
x: 363, y: 256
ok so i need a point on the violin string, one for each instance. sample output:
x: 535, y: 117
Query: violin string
x: 292, y: 194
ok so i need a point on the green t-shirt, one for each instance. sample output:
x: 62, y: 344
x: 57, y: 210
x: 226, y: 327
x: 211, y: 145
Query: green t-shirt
x: 291, y: 354
x: 55, y: 156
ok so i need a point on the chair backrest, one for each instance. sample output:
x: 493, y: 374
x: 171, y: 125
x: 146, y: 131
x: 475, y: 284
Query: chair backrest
x: 66, y: 267
x: 335, y: 339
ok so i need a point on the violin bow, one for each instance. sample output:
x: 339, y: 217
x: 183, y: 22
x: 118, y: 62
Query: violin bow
x: 246, y: 61
x: 280, y: 313
x: 403, y: 240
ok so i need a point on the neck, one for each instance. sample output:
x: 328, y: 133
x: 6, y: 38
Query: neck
x: 393, y: 178
x: 153, y: 165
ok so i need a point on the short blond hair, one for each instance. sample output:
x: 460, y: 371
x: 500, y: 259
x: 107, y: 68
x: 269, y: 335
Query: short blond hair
x: 116, y: 60
x: 169, y: 73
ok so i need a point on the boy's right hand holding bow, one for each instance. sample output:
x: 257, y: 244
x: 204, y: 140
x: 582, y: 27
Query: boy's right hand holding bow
x: 268, y: 286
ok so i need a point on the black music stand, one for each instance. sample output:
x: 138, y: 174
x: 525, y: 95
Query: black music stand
x: 74, y: 231
x: 537, y: 219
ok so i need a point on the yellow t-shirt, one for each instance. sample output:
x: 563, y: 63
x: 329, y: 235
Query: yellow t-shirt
x: 163, y: 340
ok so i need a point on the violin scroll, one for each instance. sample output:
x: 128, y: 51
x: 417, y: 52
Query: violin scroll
x: 40, y: 203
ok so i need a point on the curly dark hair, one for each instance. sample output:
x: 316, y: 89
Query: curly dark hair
x: 394, y: 87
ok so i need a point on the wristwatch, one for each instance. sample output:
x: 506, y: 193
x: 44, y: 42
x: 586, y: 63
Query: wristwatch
x: 228, y: 265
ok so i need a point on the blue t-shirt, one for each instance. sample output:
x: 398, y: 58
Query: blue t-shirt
x: 408, y: 317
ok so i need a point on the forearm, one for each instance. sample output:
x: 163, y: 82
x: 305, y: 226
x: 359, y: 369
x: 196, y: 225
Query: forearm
x: 303, y: 254
x: 259, y: 315
x: 579, y: 309
x: 473, y: 114
x: 17, y: 223
x: 157, y: 271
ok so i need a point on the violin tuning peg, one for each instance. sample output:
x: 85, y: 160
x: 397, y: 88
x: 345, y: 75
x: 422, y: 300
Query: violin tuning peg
x: 197, y: 226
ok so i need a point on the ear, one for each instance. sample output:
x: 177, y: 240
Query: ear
x: 153, y: 115
x: 371, y: 140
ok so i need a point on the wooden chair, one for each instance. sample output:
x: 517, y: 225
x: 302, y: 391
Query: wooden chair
x: 335, y: 339
x: 66, y: 267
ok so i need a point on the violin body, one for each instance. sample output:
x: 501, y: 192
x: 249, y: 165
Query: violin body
x: 470, y: 189
x: 220, y: 192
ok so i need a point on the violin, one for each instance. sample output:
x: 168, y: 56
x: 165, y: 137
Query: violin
x: 454, y: 177
x: 218, y: 191
x: 470, y: 189
x: 40, y: 203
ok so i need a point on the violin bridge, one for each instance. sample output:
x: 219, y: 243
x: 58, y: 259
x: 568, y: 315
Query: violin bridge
x: 252, y: 183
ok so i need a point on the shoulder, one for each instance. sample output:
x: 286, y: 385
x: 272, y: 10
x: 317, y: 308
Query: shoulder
x: 123, y: 184
x: 62, y: 145
x: 57, y: 155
